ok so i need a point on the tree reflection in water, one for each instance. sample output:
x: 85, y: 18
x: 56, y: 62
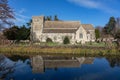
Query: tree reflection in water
x: 38, y: 67
x: 114, y: 61
x: 6, y: 66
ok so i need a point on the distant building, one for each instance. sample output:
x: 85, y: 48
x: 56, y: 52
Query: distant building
x: 58, y: 30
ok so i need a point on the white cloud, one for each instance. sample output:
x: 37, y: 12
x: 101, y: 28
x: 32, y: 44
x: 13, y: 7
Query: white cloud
x: 20, y: 17
x: 95, y: 4
x: 86, y: 3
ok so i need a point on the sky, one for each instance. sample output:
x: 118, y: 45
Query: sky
x: 96, y: 12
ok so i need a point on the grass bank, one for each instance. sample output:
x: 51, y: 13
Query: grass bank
x: 64, y: 50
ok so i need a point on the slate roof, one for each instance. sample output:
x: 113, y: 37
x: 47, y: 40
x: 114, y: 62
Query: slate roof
x: 61, y: 26
x: 59, y: 30
x: 88, y: 27
x: 64, y: 26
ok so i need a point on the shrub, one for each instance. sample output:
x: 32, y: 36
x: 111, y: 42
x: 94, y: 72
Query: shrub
x: 90, y: 42
x: 48, y: 40
x: 66, y: 40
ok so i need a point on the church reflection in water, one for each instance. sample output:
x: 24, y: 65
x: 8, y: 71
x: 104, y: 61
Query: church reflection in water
x: 39, y: 63
x: 25, y: 68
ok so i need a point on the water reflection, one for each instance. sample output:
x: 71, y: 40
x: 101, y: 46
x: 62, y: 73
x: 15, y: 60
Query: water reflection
x: 59, y: 68
x: 114, y: 61
x: 39, y: 63
x: 7, y: 67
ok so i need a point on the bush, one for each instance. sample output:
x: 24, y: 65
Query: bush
x: 48, y: 40
x: 90, y: 42
x: 66, y: 40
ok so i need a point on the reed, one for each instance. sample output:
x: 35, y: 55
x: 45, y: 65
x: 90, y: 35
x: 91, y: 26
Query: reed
x: 36, y: 50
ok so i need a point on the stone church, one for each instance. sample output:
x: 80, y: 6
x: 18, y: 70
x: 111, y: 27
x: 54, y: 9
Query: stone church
x: 58, y: 30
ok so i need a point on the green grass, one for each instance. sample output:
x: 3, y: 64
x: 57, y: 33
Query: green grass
x: 48, y: 44
x: 51, y: 44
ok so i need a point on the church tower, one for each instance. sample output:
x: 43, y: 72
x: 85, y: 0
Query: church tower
x: 36, y: 28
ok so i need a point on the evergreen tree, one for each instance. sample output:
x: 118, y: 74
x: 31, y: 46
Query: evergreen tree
x: 97, y: 33
x: 66, y: 40
x: 111, y: 26
x: 48, y: 18
x: 17, y: 33
x: 11, y: 33
x: 56, y: 18
x: 29, y: 23
x: 23, y: 33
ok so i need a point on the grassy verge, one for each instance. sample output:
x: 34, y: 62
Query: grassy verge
x: 93, y: 44
x: 36, y: 50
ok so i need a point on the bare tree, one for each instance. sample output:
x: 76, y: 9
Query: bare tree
x: 6, y: 13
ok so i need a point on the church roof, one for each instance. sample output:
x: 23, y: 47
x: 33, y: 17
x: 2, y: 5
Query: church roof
x: 59, y: 30
x: 61, y: 26
x: 88, y: 27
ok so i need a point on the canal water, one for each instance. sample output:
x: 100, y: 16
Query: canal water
x: 59, y: 68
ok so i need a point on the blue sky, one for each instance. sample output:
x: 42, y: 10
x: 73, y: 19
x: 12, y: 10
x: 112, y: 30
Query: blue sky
x: 96, y: 12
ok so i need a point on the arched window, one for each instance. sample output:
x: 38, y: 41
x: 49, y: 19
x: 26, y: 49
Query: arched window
x: 81, y: 35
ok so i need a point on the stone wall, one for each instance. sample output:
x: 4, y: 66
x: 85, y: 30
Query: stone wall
x: 58, y: 37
